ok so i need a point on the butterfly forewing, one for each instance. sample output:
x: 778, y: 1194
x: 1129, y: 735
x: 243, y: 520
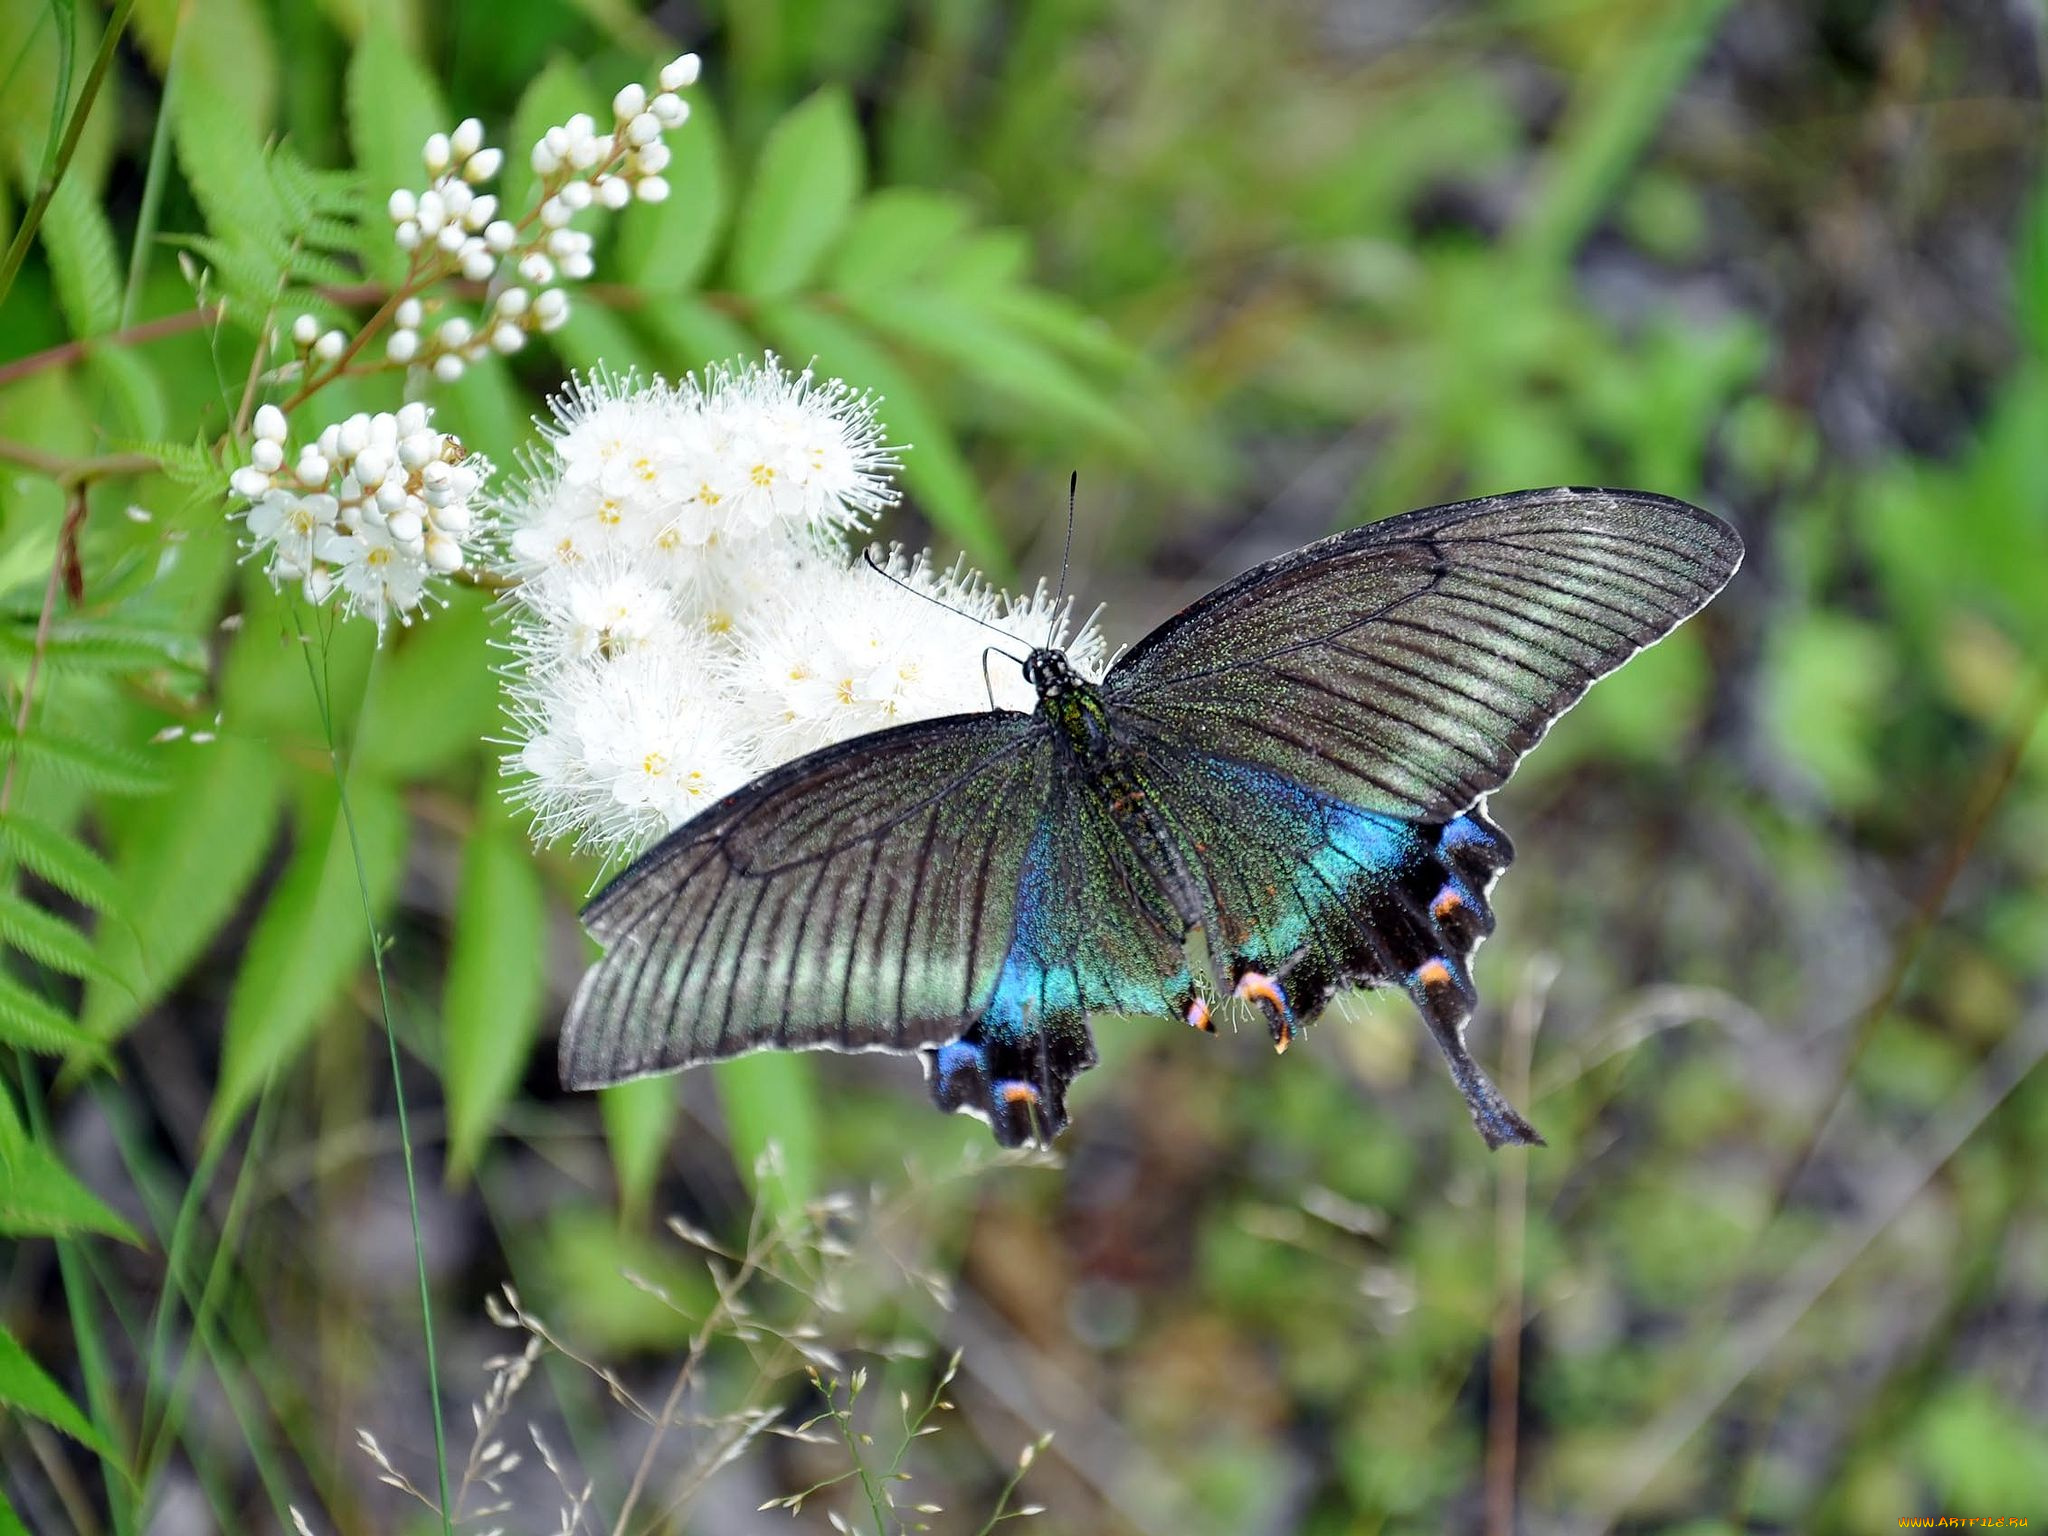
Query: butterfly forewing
x: 860, y: 897
x: 1405, y: 667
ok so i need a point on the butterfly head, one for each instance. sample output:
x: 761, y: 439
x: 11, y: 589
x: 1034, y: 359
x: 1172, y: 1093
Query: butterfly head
x: 1050, y: 673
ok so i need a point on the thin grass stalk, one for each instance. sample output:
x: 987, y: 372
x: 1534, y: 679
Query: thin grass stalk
x: 322, y: 695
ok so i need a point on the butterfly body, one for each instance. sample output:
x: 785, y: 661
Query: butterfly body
x: 1275, y: 796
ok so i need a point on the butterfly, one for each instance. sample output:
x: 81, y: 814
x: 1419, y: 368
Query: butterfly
x: 1277, y: 794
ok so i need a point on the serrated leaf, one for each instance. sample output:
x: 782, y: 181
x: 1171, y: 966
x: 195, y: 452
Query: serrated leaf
x: 219, y: 150
x: 182, y: 871
x: 933, y: 467
x: 47, y: 939
x: 898, y: 235
x: 40, y: 1197
x: 691, y: 335
x: 639, y: 1118
x: 28, y: 1021
x: 666, y: 247
x: 98, y: 647
x: 414, y: 725
x: 26, y: 1388
x: 310, y: 939
x: 803, y: 190
x: 89, y: 764
x: 394, y: 106
x: 984, y: 348
x: 496, y: 984
x: 80, y: 245
x: 61, y: 859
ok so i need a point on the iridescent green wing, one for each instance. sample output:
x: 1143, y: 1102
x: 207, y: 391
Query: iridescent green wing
x: 1405, y: 667
x: 859, y: 898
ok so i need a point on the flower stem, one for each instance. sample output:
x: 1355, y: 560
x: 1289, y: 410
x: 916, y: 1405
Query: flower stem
x: 321, y: 695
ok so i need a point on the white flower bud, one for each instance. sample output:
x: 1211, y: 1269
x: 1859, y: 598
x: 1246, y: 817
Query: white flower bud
x: 481, y: 211
x: 409, y: 314
x: 615, y: 192
x: 402, y: 206
x: 585, y: 153
x: 581, y: 125
x: 435, y: 154
x: 448, y: 368
x: 507, y: 339
x: 266, y: 455
x: 500, y: 236
x: 477, y: 261
x: 305, y: 330
x: 652, y: 160
x: 456, y: 198
x: 630, y: 102
x: 670, y: 111
x: 513, y: 301
x: 453, y: 332
x: 535, y: 267
x: 578, y: 267
x: 450, y: 239
x: 412, y: 417
x: 551, y: 304
x: 354, y: 436
x: 405, y: 526
x: 651, y: 189
x: 545, y: 161
x: 462, y: 483
x: 483, y: 165
x: 372, y: 465
x: 249, y: 482
x: 681, y: 72
x: 554, y: 213
x: 391, y: 496
x: 329, y: 346
x: 312, y: 468
x: 644, y: 129
x: 575, y: 196
x: 407, y: 236
x: 453, y: 518
x: 270, y: 424
x: 467, y: 138
x: 329, y: 442
x: 443, y: 553
x: 419, y: 449
x: 384, y: 430
x: 403, y: 346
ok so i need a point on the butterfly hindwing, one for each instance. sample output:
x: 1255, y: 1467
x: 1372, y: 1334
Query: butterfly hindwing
x: 1405, y: 667
x: 860, y: 897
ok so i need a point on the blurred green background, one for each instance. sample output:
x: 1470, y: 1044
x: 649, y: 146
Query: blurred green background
x: 1772, y: 969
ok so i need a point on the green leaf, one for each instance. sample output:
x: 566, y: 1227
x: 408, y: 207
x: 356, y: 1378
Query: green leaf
x: 497, y: 973
x: 10, y: 1522
x: 182, y: 871
x: 61, y: 859
x: 804, y: 187
x: 984, y: 347
x: 26, y: 1388
x: 47, y: 939
x: 99, y: 647
x: 553, y: 96
x: 639, y: 1118
x: 933, y: 467
x: 771, y: 1100
x: 40, y: 1197
x: 896, y: 238
x: 310, y: 939
x: 88, y: 764
x: 394, y: 106
x: 430, y: 701
x: 28, y: 1021
x: 80, y: 245
x: 666, y: 247
x: 693, y: 335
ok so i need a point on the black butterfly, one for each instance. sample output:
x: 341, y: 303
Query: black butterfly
x: 1286, y: 779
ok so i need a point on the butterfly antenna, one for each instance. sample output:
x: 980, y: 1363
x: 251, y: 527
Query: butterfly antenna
x: 868, y: 557
x: 1066, y: 551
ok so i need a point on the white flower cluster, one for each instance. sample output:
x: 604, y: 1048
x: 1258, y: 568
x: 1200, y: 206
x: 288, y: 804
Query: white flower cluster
x: 455, y: 228
x: 688, y: 614
x: 373, y: 509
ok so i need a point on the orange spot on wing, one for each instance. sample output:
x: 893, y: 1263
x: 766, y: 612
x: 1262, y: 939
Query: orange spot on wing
x: 1019, y: 1093
x: 1198, y: 1017
x: 1447, y: 903
x: 1433, y: 973
x: 1260, y: 988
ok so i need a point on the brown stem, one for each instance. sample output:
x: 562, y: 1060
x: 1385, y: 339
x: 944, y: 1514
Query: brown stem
x: 68, y: 471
